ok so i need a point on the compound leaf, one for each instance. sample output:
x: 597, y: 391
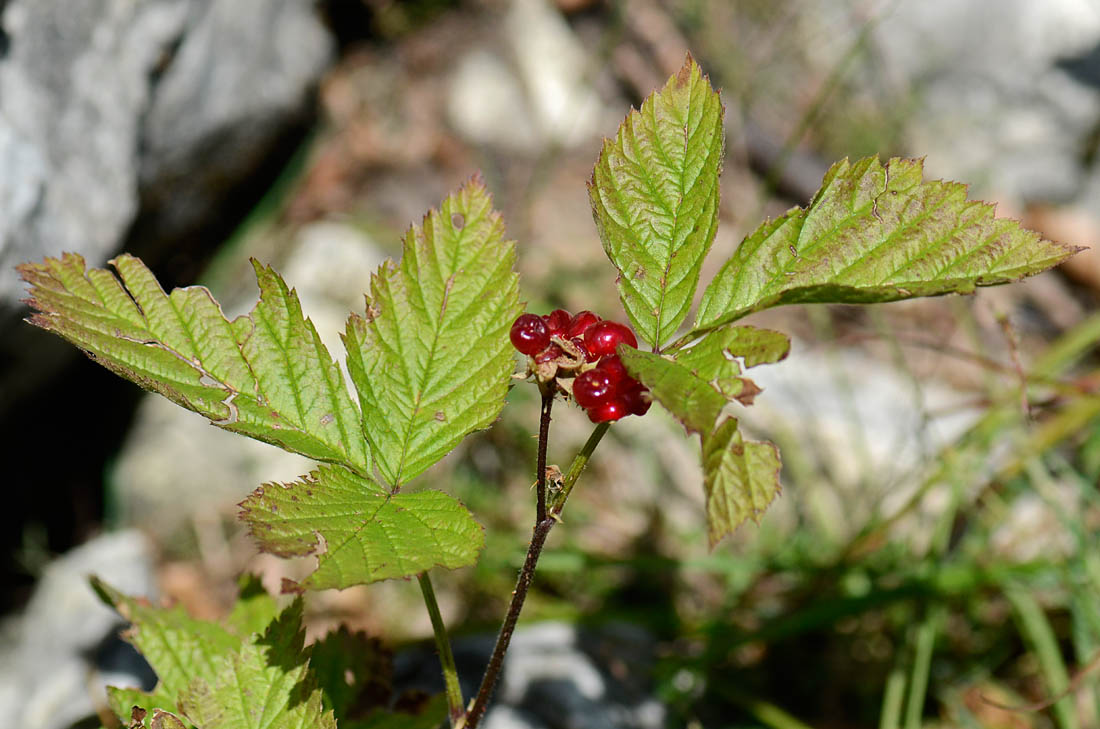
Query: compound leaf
x: 431, y: 359
x: 177, y: 646
x: 369, y: 533
x: 654, y: 196
x: 740, y: 479
x: 874, y: 233
x: 691, y: 399
x: 717, y: 357
x: 266, y: 375
x: 264, y: 685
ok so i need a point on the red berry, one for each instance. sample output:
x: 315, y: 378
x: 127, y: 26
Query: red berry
x: 580, y: 323
x: 636, y: 399
x: 602, y: 338
x: 579, y: 343
x: 551, y: 352
x: 529, y: 334
x: 557, y: 321
x: 613, y: 409
x: 613, y: 366
x: 593, y: 388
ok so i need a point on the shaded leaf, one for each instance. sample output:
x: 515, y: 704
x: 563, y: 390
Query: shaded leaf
x: 740, y: 479
x: 874, y: 233
x: 178, y: 647
x: 432, y: 359
x: 265, y: 685
x: 654, y: 196
x: 430, y: 716
x: 266, y: 375
x: 369, y: 533
x: 354, y: 673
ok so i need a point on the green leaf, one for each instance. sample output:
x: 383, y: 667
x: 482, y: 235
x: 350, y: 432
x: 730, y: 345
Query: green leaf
x: 740, y: 479
x: 431, y: 359
x: 212, y: 677
x: 654, y: 195
x: 123, y: 702
x: 692, y: 400
x: 369, y: 533
x: 177, y: 647
x: 254, y: 609
x: 430, y: 716
x: 875, y: 233
x: 717, y: 358
x: 266, y: 375
x: 265, y: 685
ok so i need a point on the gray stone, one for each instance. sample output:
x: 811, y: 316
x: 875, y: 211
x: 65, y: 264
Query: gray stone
x: 49, y: 655
x: 993, y: 100
x: 555, y: 676
x: 74, y: 88
x: 528, y: 88
x: 109, y: 108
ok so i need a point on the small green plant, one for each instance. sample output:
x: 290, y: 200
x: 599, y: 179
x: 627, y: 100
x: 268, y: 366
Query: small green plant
x: 431, y: 359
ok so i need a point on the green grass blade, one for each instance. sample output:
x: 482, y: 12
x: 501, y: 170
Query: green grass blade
x: 1039, y: 635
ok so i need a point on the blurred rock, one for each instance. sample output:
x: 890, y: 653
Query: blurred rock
x: 66, y: 642
x: 537, y: 95
x: 175, y: 465
x: 994, y: 99
x: 555, y: 676
x: 106, y: 103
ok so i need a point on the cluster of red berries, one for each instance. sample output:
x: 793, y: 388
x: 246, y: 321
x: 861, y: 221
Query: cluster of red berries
x: 605, y: 390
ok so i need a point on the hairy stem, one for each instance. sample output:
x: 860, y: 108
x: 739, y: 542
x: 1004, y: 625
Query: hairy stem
x: 540, y: 463
x: 455, y: 705
x: 527, y: 572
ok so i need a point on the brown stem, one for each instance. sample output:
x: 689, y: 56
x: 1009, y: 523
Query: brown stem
x: 540, y: 464
x: 526, y: 575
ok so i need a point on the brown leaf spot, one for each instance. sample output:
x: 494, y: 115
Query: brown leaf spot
x: 749, y: 391
x: 440, y: 416
x: 290, y: 587
x: 458, y: 220
x: 327, y: 418
x: 137, y: 718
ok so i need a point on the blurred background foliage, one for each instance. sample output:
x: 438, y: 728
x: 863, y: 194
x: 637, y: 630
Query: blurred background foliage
x: 933, y: 557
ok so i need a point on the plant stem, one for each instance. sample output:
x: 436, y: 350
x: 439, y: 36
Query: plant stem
x: 527, y: 572
x: 540, y: 463
x: 456, y: 706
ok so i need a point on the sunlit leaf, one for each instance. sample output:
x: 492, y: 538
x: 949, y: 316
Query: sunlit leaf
x: 264, y: 685
x: 266, y: 375
x: 368, y: 532
x: 874, y: 233
x: 431, y: 358
x: 740, y: 479
x: 654, y: 195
